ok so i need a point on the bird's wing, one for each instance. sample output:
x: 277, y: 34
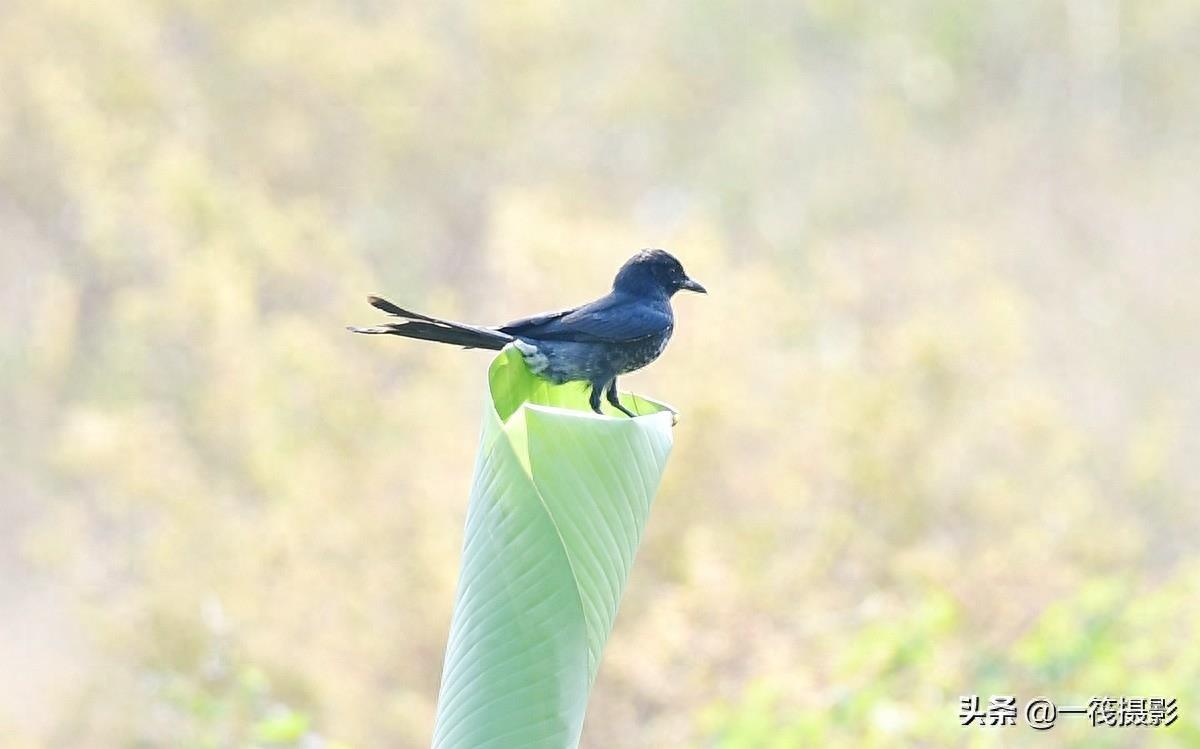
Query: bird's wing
x: 524, y: 325
x: 611, y: 319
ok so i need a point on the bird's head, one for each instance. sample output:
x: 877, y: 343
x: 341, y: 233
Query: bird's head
x: 652, y: 272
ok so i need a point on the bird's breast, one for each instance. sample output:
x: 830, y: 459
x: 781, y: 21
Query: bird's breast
x: 638, y: 354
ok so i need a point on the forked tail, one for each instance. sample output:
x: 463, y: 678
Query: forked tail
x: 428, y: 328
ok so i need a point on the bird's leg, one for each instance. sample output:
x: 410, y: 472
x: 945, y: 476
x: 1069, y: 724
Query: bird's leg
x: 594, y: 398
x: 614, y: 399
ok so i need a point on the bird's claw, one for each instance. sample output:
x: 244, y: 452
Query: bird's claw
x: 625, y: 411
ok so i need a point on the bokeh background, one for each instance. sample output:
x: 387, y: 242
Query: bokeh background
x: 939, y: 408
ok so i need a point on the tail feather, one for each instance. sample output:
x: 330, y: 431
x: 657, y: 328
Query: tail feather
x: 428, y: 328
x: 380, y: 303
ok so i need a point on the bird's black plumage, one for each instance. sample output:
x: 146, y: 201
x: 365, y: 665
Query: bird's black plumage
x: 618, y: 333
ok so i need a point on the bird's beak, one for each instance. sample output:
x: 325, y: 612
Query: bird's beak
x: 690, y: 285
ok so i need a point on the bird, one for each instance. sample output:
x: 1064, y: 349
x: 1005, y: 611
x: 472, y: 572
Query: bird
x: 594, y: 343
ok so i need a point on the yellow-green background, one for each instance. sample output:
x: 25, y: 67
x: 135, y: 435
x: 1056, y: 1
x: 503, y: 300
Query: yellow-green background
x: 939, y: 432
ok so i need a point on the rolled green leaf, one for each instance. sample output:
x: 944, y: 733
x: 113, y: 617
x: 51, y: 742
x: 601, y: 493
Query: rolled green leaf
x: 557, y: 509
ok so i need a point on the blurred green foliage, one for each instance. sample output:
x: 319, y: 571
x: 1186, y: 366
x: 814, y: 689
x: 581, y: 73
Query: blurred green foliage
x: 1109, y: 639
x: 938, y: 408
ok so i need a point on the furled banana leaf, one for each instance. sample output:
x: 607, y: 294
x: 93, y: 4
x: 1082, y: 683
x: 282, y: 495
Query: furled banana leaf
x: 557, y: 510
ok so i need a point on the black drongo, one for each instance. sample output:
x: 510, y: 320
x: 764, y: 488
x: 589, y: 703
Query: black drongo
x: 621, y: 331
